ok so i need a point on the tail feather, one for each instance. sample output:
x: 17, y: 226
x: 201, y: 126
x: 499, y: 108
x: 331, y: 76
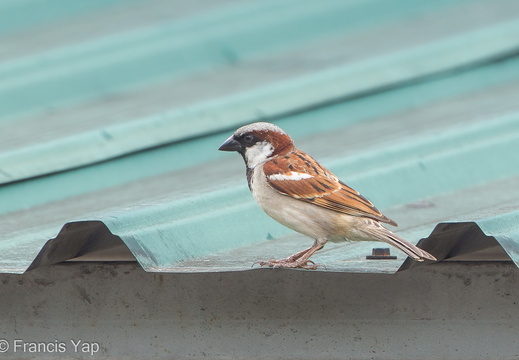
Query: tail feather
x: 385, y: 235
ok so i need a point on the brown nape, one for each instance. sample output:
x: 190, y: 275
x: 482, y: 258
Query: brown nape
x: 282, y: 143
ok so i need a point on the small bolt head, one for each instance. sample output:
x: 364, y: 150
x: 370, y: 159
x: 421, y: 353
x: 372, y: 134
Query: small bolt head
x: 380, y: 254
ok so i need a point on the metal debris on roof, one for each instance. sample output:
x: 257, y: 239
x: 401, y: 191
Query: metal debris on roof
x: 112, y: 112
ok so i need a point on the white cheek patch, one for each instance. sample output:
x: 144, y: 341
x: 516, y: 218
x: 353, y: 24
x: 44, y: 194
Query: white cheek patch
x: 258, y: 153
x: 294, y: 176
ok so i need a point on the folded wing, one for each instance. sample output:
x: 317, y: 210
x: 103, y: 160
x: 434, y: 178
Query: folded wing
x: 308, y: 181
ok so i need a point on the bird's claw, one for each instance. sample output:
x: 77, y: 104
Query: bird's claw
x: 289, y: 264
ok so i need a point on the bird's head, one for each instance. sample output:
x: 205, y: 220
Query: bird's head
x: 258, y: 142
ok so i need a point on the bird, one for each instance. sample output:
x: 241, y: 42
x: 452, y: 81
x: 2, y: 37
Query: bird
x: 297, y: 191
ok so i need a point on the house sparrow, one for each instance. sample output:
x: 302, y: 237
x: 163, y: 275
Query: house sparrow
x: 298, y: 192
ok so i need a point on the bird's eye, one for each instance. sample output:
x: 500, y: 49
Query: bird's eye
x: 248, y: 139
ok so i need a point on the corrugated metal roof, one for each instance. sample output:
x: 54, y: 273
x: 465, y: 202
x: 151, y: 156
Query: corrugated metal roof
x: 111, y: 125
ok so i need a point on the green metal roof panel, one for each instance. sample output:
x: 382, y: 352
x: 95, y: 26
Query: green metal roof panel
x: 125, y: 167
x: 274, y: 100
x: 23, y: 15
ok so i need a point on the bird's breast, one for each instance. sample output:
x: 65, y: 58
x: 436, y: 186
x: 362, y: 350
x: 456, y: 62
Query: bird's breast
x: 303, y: 217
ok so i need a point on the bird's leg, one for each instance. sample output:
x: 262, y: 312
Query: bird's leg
x: 298, y: 260
x: 297, y: 255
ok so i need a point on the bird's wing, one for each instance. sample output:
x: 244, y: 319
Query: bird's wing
x: 299, y: 176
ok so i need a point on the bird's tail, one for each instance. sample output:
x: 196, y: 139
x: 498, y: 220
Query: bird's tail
x: 385, y: 235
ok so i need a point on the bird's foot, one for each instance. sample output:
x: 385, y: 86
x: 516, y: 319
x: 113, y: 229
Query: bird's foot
x: 289, y: 263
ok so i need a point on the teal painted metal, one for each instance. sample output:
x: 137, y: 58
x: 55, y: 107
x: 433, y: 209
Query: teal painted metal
x: 401, y: 125
x: 186, y: 154
x: 273, y: 101
x: 23, y: 15
x: 197, y: 43
x: 162, y: 235
x: 161, y: 240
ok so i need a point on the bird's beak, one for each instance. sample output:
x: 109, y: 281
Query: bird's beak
x: 230, y: 145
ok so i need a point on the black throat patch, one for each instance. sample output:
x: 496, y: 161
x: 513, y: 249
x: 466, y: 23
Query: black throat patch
x: 250, y: 172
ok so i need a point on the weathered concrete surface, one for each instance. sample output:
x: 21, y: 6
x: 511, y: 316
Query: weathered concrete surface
x: 441, y: 311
